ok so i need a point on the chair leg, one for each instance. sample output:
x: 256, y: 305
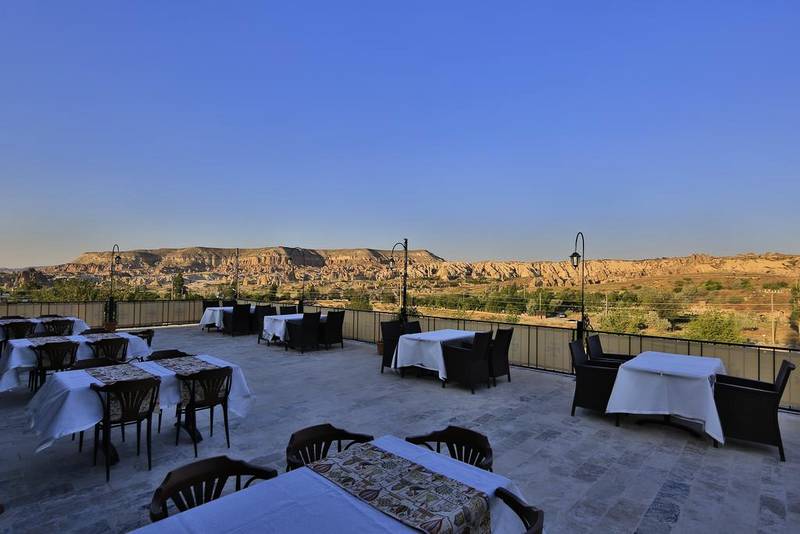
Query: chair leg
x: 138, y: 437
x: 381, y: 368
x: 96, y: 440
x: 494, y: 381
x: 444, y: 384
x: 80, y: 442
x: 177, y: 425
x: 107, y: 450
x: 509, y: 375
x: 211, y: 418
x: 193, y: 428
x: 149, y: 442
x: 780, y: 446
x: 573, y: 407
x: 122, y: 429
x: 160, y: 413
x: 225, y: 417
x: 616, y: 420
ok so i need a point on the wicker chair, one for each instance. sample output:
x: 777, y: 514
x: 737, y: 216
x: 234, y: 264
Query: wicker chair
x: 203, y: 390
x: 114, y: 349
x: 468, y: 366
x: 58, y: 327
x: 532, y: 518
x: 201, y: 482
x: 412, y: 327
x: 51, y: 358
x: 49, y: 316
x: 330, y: 332
x: 228, y: 303
x: 210, y: 304
x: 390, y: 333
x: 313, y: 443
x: 237, y: 322
x: 288, y: 310
x: 12, y: 317
x: 303, y: 334
x: 498, y: 355
x: 20, y: 329
x: 596, y: 352
x: 126, y: 402
x: 147, y: 335
x: 594, y: 381
x: 89, y: 363
x: 167, y: 354
x: 748, y: 409
x: 95, y: 330
x: 463, y: 444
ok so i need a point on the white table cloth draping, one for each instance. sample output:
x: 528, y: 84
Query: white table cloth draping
x: 78, y: 325
x: 669, y: 384
x: 303, y: 502
x: 18, y: 355
x: 275, y: 325
x: 425, y: 349
x: 213, y: 315
x: 65, y: 404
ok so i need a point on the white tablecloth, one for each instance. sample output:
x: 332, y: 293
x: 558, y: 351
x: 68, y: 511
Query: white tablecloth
x: 18, y: 355
x: 669, y: 384
x: 425, y: 349
x: 303, y: 502
x: 78, y: 325
x: 65, y: 404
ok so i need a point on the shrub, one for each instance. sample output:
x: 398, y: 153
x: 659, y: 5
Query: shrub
x: 715, y: 326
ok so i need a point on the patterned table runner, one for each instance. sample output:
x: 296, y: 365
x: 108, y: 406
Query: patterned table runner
x: 415, y: 496
x: 118, y: 373
x: 186, y: 365
x: 38, y: 341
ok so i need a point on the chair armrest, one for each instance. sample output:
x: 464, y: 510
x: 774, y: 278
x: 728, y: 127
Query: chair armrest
x: 455, y: 351
x: 745, y: 382
x: 603, y: 362
x: 735, y: 389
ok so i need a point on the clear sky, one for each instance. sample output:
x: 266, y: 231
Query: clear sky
x: 485, y: 130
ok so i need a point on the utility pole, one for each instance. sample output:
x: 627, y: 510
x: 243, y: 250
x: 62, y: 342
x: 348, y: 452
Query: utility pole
x: 236, y: 282
x: 772, y: 310
x: 606, y: 303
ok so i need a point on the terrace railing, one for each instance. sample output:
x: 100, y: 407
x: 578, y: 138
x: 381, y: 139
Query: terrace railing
x: 536, y: 347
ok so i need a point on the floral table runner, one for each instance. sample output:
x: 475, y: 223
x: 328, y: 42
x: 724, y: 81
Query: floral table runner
x: 118, y: 373
x: 97, y: 337
x: 415, y: 496
x: 38, y: 341
x: 186, y: 365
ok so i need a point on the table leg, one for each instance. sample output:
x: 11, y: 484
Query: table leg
x: 668, y: 420
x: 188, y: 429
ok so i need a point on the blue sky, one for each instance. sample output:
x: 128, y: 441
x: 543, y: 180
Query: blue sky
x: 485, y: 130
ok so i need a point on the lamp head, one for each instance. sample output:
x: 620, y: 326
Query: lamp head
x: 391, y: 263
x: 117, y: 259
x: 575, y: 258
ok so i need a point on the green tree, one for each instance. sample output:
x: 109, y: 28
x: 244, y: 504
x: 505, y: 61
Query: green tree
x: 178, y: 285
x: 715, y: 325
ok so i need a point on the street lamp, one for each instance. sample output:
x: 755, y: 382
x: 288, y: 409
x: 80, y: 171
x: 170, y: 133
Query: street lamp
x: 404, y: 244
x: 580, y: 259
x: 302, y: 299
x: 111, y: 306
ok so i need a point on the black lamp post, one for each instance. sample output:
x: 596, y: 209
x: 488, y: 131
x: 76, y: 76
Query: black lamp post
x: 301, y: 301
x: 404, y: 244
x: 111, y: 305
x: 236, y: 281
x: 580, y: 259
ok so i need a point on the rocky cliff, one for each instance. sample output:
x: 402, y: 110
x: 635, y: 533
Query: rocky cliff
x: 263, y: 266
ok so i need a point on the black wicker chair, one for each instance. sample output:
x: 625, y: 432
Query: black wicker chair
x: 2, y: 317
x: 313, y: 443
x: 228, y: 303
x: 303, y: 334
x: 532, y: 518
x: 51, y: 358
x: 266, y: 311
x: 96, y: 330
x: 201, y: 482
x: 210, y: 304
x: 237, y: 322
x: 468, y: 366
x: 288, y: 310
x: 748, y: 409
x: 20, y: 329
x: 57, y: 327
x: 126, y: 402
x: 114, y: 349
x: 147, y: 335
x: 167, y: 354
x: 498, y: 355
x: 596, y: 352
x: 594, y: 381
x: 203, y: 390
x: 463, y: 444
x: 257, y: 320
x: 390, y: 333
x: 412, y: 327
x: 49, y: 316
x: 330, y: 331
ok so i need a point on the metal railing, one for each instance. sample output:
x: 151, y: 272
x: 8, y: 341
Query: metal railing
x: 536, y: 347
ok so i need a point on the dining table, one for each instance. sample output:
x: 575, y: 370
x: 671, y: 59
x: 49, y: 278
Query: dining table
x: 66, y: 403
x: 275, y: 328
x: 326, y: 497
x: 19, y: 356
x: 425, y: 349
x: 213, y: 315
x: 78, y: 324
x: 660, y: 383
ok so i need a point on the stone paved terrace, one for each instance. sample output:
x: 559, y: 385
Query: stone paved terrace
x: 584, y: 472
